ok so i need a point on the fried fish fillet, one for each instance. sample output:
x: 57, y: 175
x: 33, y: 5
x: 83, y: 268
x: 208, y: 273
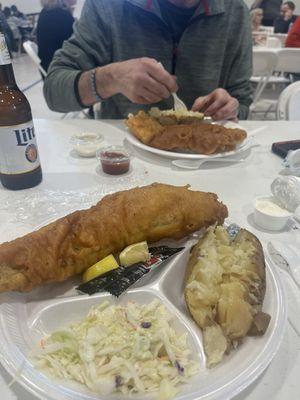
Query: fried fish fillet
x: 144, y: 127
x: 200, y: 138
x: 72, y: 244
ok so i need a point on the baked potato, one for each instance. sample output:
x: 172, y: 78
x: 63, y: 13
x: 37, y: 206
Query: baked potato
x: 225, y: 286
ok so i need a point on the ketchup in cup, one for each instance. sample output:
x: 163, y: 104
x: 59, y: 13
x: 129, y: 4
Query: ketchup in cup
x: 115, y: 160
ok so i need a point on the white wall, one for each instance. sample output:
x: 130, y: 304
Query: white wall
x: 34, y: 6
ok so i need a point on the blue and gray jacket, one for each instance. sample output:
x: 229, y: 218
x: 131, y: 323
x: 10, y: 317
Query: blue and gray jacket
x: 214, y: 51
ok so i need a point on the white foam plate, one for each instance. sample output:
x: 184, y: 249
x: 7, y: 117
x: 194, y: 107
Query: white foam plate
x: 26, y: 318
x: 172, y: 154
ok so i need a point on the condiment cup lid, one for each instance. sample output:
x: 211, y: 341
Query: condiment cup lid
x: 269, y: 221
x: 273, y: 200
x: 87, y: 138
x: 113, y: 153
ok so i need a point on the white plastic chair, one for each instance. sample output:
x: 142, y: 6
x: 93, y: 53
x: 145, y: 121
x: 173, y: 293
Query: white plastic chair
x: 264, y: 63
x: 268, y: 29
x: 273, y: 42
x: 32, y: 50
x: 288, y: 107
x: 288, y: 60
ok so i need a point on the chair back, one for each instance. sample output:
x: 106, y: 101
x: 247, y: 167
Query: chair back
x: 264, y: 63
x: 288, y: 107
x: 294, y: 105
x: 273, y: 42
x: 288, y: 60
x: 32, y: 50
x: 268, y: 29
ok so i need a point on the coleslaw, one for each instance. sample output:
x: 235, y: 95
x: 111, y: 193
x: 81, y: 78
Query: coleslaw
x: 131, y: 349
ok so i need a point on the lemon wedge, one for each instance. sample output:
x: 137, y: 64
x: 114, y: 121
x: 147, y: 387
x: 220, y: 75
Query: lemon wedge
x: 106, y: 264
x: 135, y: 253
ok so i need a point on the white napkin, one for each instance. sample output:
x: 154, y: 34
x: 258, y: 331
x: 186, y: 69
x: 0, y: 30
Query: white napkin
x: 292, y: 162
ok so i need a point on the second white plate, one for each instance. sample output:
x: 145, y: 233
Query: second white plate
x: 176, y: 155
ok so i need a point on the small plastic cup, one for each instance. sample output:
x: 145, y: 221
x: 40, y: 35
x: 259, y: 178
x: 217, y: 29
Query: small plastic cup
x: 115, y: 160
x: 269, y: 220
x: 86, y: 144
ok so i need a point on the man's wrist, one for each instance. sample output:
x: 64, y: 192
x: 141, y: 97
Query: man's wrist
x: 94, y: 89
x: 104, y: 85
x: 105, y: 81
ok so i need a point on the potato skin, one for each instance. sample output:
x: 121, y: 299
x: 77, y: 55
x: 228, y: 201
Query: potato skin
x: 237, y: 302
x: 257, y: 261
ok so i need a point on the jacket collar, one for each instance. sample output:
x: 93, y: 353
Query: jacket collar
x: 206, y: 7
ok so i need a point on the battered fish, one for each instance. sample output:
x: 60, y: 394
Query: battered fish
x: 72, y: 244
x: 201, y: 138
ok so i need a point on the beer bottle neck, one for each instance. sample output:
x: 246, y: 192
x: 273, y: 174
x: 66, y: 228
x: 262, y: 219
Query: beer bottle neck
x: 7, y: 77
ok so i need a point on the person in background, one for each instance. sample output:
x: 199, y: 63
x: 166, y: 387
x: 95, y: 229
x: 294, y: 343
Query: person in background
x: 293, y: 40
x: 23, y: 23
x: 287, y: 17
x: 55, y: 25
x: 13, y: 23
x: 259, y: 36
x: 271, y: 9
x: 293, y: 37
x: 131, y: 54
x: 256, y: 16
x: 15, y: 12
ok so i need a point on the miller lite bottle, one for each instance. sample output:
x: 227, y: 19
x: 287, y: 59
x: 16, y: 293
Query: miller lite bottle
x: 19, y: 159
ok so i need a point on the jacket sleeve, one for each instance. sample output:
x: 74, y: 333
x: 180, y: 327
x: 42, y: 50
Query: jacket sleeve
x: 238, y: 83
x: 89, y: 42
x: 293, y: 38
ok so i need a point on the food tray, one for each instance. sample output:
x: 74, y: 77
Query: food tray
x: 26, y: 318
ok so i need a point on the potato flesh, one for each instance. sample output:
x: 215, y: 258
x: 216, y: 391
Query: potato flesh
x: 224, y: 288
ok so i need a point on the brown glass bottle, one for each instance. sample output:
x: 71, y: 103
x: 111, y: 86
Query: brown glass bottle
x: 19, y: 161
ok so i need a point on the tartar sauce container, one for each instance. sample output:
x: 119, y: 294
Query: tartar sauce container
x: 115, y: 160
x: 86, y: 144
x: 268, y: 214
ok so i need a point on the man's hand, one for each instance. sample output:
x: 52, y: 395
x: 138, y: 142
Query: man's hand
x: 218, y: 105
x: 141, y: 80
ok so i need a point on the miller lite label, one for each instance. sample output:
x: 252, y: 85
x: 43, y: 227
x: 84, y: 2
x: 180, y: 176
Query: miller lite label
x: 18, y: 149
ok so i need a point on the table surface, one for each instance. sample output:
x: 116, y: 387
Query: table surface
x: 236, y: 185
x: 269, y: 49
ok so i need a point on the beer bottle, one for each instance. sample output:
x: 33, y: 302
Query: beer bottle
x: 19, y: 160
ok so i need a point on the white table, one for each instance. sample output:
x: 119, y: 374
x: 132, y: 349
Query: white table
x: 236, y: 185
x: 274, y: 50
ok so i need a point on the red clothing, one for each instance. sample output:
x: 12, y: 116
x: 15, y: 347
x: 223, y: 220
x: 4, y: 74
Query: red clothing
x: 293, y: 38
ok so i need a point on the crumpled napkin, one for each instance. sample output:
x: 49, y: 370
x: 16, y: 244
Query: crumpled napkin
x: 286, y: 189
x: 292, y: 162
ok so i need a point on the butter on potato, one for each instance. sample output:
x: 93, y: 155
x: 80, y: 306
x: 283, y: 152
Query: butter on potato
x: 224, y: 290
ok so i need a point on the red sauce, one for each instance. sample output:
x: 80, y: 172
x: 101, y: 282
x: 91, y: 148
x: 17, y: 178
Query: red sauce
x: 114, y: 163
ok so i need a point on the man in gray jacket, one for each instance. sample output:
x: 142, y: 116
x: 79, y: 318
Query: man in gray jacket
x: 130, y: 54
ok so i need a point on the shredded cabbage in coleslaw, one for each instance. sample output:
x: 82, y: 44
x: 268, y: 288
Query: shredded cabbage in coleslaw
x: 131, y: 349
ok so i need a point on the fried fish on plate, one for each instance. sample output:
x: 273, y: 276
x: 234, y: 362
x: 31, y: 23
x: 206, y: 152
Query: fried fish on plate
x: 225, y: 288
x: 72, y: 244
x: 193, y: 137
